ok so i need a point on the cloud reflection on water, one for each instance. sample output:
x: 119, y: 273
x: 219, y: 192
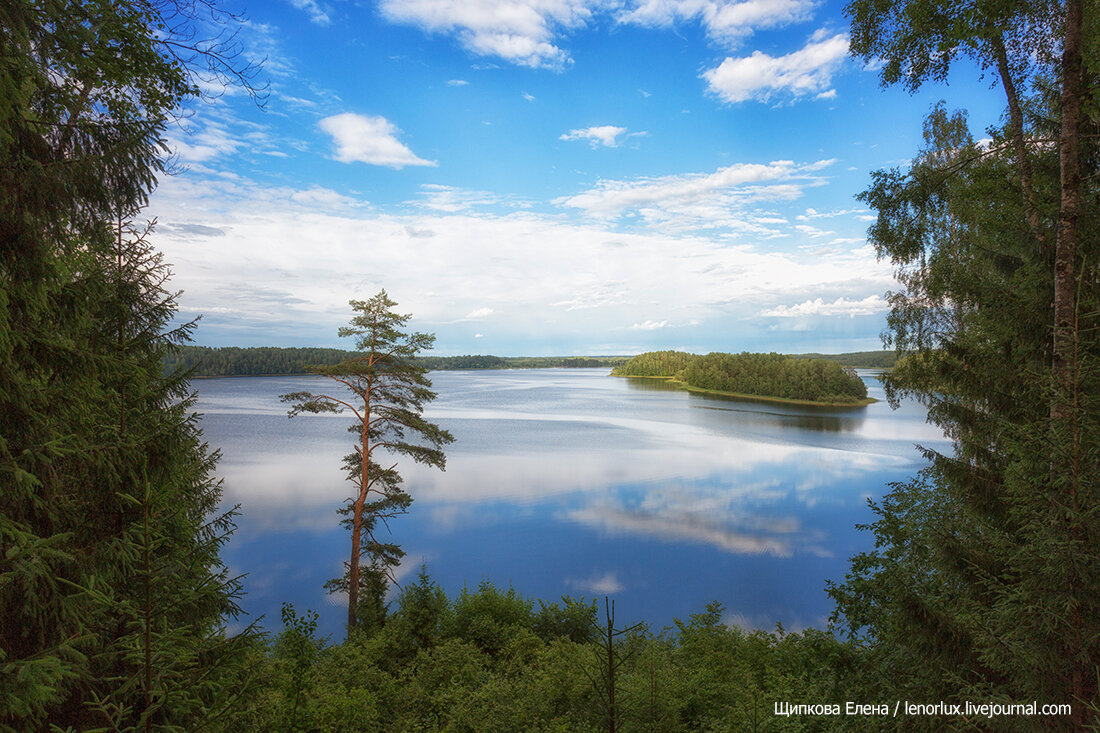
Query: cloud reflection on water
x: 577, y: 483
x: 695, y: 482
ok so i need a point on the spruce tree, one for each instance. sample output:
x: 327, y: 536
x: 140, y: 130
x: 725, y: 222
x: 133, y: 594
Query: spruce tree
x: 112, y: 598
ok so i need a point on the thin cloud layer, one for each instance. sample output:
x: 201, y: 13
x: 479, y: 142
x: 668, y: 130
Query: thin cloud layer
x: 723, y: 20
x: 759, y: 77
x: 703, y: 201
x: 317, y: 13
x: 368, y: 139
x: 840, y: 307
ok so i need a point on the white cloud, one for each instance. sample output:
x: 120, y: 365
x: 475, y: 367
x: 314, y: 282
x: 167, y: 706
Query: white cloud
x: 528, y: 97
x: 520, y: 31
x: 317, y: 13
x: 810, y: 231
x: 649, y: 325
x: 724, y: 20
x: 760, y: 77
x: 478, y: 313
x: 211, y: 142
x: 606, y: 584
x: 306, y: 251
x: 530, y: 32
x: 606, y: 135
x: 368, y: 139
x: 701, y: 201
x: 840, y: 307
x: 457, y: 83
x: 811, y: 214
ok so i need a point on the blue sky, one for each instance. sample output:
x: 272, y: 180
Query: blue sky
x: 535, y: 177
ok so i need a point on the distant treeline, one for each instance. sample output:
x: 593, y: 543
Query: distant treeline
x: 858, y: 359
x: 233, y: 361
x: 761, y: 375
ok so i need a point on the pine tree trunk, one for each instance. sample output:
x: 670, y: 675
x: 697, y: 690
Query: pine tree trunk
x: 353, y: 564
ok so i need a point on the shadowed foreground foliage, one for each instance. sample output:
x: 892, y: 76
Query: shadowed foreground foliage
x: 491, y: 660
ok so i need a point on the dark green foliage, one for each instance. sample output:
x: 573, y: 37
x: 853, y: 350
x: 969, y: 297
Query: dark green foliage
x: 574, y: 620
x: 654, y: 364
x: 489, y: 619
x: 112, y: 597
x: 297, y: 649
x: 764, y: 375
x: 422, y: 612
x: 775, y: 375
x: 985, y: 581
x: 232, y: 361
x: 857, y: 359
x: 478, y: 666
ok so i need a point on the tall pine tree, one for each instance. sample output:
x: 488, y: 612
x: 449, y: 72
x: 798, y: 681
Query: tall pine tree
x: 386, y: 390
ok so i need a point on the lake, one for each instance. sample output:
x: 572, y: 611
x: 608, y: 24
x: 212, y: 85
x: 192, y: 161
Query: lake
x: 573, y: 482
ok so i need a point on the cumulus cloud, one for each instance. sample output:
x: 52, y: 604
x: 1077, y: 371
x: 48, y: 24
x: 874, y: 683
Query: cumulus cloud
x: 606, y: 135
x: 478, y: 313
x: 457, y: 83
x: 840, y: 307
x: 649, y: 325
x: 760, y: 77
x: 724, y: 20
x: 368, y: 139
x: 522, y: 32
x: 530, y: 32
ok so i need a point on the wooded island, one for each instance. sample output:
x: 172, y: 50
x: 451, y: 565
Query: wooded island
x: 756, y: 376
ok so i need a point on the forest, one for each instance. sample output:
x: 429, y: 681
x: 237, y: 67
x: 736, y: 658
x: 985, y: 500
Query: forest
x: 983, y: 578
x: 761, y: 375
x: 233, y: 361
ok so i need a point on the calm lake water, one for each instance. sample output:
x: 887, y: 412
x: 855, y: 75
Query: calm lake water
x: 569, y: 481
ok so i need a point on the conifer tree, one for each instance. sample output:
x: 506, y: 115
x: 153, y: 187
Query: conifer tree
x: 111, y: 594
x: 386, y: 391
x: 985, y: 581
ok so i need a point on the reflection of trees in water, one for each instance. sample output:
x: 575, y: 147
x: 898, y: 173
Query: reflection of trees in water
x: 650, y: 384
x: 823, y: 423
x: 805, y: 417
